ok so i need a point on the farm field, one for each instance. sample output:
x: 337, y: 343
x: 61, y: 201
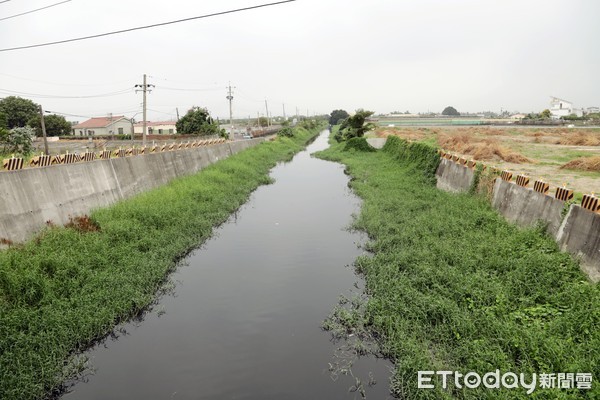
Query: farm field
x: 560, y: 156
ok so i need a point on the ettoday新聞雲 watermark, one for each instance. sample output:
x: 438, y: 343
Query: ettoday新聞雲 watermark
x: 507, y: 380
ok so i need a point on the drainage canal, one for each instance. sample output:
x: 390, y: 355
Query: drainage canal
x: 243, y: 319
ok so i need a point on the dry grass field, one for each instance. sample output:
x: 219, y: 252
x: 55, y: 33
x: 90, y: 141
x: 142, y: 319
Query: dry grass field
x: 560, y: 156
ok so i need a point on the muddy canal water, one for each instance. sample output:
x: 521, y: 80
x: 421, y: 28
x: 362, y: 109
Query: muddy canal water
x: 243, y: 321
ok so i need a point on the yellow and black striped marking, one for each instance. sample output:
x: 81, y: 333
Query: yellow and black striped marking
x: 590, y: 202
x: 471, y: 164
x: 564, y: 194
x: 506, y: 175
x: 71, y: 158
x: 541, y: 187
x: 88, y: 156
x: 12, y: 164
x: 105, y: 154
x: 522, y: 180
x: 58, y: 159
x: 40, y: 161
x: 119, y: 153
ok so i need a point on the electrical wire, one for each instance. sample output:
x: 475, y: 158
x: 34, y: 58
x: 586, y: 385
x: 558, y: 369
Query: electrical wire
x: 87, y: 116
x: 146, y: 26
x: 188, y: 89
x: 64, y: 84
x: 161, y: 112
x: 50, y: 96
x: 37, y: 9
x: 4, y: 1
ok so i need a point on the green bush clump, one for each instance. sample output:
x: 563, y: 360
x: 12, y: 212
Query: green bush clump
x: 286, y: 131
x: 358, y: 144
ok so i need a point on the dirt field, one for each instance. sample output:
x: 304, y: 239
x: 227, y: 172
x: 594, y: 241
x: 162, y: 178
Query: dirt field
x: 537, y: 152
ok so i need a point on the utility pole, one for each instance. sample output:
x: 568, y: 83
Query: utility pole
x: 258, y: 120
x: 230, y: 98
x: 144, y: 88
x: 177, y: 110
x: 267, y: 108
x: 297, y: 116
x: 44, y: 131
x: 110, y: 129
x: 284, y: 118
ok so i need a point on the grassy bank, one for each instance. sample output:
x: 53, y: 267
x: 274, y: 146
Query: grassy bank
x: 453, y: 286
x: 70, y: 286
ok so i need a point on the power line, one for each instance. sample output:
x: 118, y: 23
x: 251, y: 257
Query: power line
x: 147, y: 26
x: 87, y: 116
x: 50, y: 96
x: 4, y: 1
x: 37, y: 9
x: 188, y: 90
x: 64, y: 84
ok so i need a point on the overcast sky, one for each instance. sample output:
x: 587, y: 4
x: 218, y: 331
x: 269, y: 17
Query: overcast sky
x: 316, y: 55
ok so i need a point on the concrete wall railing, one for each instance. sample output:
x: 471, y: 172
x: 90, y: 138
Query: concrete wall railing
x: 33, y: 196
x: 576, y: 229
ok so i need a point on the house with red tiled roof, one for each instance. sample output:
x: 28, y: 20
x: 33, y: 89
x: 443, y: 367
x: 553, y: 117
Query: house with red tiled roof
x: 156, y: 128
x: 103, y: 126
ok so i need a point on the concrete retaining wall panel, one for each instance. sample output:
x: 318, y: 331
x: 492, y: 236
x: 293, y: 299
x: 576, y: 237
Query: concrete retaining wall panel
x: 526, y: 207
x: 580, y: 235
x: 452, y: 177
x: 236, y: 147
x: 32, y: 196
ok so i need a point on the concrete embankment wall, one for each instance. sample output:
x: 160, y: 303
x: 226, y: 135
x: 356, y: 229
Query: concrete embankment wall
x: 453, y: 177
x: 576, y: 231
x: 33, y: 196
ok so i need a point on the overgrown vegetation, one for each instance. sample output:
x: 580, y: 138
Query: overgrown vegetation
x: 69, y: 286
x: 355, y: 125
x: 358, y: 144
x: 452, y: 286
x: 16, y: 141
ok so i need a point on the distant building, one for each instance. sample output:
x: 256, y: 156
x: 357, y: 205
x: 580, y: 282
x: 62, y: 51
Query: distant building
x: 562, y: 108
x: 103, y: 126
x: 156, y: 128
x: 592, y: 110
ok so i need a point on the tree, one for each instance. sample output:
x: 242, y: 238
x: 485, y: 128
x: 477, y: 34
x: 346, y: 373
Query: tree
x: 355, y: 126
x: 450, y: 111
x: 18, y: 111
x: 545, y: 114
x: 198, y: 121
x: 263, y: 121
x: 17, y: 140
x: 56, y: 125
x: 337, y: 116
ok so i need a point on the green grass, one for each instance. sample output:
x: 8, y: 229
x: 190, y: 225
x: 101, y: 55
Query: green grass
x: 68, y: 288
x: 452, y: 286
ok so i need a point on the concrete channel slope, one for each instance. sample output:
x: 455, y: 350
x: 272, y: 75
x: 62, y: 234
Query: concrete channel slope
x: 577, y: 230
x: 34, y: 196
